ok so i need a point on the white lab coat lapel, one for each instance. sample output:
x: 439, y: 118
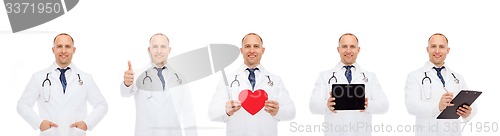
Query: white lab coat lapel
x: 451, y: 85
x: 262, y: 82
x: 244, y: 83
x: 56, y: 92
x: 339, y: 74
x: 357, y: 75
x: 158, y: 95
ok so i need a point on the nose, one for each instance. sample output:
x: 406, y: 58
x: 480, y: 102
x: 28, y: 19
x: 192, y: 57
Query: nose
x: 348, y: 50
x: 64, y: 50
x: 252, y: 50
x: 436, y: 50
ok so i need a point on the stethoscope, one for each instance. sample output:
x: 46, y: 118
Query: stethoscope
x: 80, y: 81
x: 179, y: 80
x: 430, y: 82
x: 269, y: 81
x: 334, y: 77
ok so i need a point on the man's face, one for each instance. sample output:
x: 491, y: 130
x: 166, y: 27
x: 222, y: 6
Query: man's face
x: 252, y: 50
x: 63, y: 50
x: 159, y: 49
x: 438, y: 49
x: 348, y: 49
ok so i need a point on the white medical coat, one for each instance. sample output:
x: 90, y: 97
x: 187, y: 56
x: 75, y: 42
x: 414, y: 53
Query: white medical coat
x: 167, y: 112
x: 423, y: 102
x: 242, y: 123
x: 340, y: 123
x: 63, y: 109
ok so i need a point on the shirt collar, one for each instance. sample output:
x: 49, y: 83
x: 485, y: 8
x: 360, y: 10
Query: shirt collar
x: 428, y: 66
x: 340, y: 67
x: 54, y: 67
x: 244, y: 67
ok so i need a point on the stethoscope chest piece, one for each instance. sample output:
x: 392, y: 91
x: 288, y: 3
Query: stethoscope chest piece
x: 80, y: 81
x: 270, y: 82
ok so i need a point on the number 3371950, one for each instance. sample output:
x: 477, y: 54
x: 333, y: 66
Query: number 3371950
x: 34, y: 8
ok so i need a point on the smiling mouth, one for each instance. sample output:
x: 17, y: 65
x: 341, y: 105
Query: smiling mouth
x: 348, y: 56
x: 437, y: 56
x: 63, y: 56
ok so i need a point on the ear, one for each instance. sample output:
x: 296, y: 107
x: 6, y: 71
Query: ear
x: 74, y: 49
x: 263, y: 49
x: 427, y: 48
x: 149, y: 50
x: 53, y: 50
x: 359, y: 49
x: 448, y: 50
x: 338, y: 49
x: 241, y: 50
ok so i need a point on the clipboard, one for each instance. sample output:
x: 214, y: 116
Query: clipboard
x: 465, y: 97
x: 349, y: 96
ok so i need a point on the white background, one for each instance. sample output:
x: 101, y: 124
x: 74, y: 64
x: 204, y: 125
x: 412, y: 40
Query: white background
x: 300, y: 40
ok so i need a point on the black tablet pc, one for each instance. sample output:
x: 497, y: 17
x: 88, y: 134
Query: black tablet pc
x: 349, y: 96
x: 465, y: 97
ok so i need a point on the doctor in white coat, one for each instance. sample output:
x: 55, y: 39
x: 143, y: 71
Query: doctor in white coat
x: 431, y: 88
x: 62, y: 92
x: 347, y: 123
x: 160, y: 110
x: 244, y: 108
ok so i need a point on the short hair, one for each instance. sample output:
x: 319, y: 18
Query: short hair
x: 349, y: 34
x: 438, y: 34
x: 158, y: 34
x: 63, y: 34
x: 262, y: 42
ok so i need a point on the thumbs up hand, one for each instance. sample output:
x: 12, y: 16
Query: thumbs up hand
x: 128, y: 77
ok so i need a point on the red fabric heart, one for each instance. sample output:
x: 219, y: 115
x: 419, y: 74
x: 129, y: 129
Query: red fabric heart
x: 253, y: 102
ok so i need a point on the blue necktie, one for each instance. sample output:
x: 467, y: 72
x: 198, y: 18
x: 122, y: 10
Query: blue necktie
x: 348, y: 73
x: 160, y: 74
x: 62, y: 77
x: 438, y: 70
x: 251, y: 76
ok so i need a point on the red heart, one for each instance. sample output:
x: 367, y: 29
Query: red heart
x: 253, y: 102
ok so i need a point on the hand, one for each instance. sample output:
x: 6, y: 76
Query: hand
x: 232, y: 106
x: 366, y: 104
x: 272, y: 107
x: 445, y: 101
x: 464, y: 111
x: 80, y: 125
x: 46, y: 125
x: 128, y: 77
x: 330, y: 103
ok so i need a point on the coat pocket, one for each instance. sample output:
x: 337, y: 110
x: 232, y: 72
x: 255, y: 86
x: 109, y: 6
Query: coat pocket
x: 48, y: 132
x: 78, y: 132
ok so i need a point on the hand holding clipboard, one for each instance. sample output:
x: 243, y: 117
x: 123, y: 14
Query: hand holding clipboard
x: 465, y: 97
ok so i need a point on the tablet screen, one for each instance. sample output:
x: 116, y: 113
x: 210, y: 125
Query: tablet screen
x: 349, y: 96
